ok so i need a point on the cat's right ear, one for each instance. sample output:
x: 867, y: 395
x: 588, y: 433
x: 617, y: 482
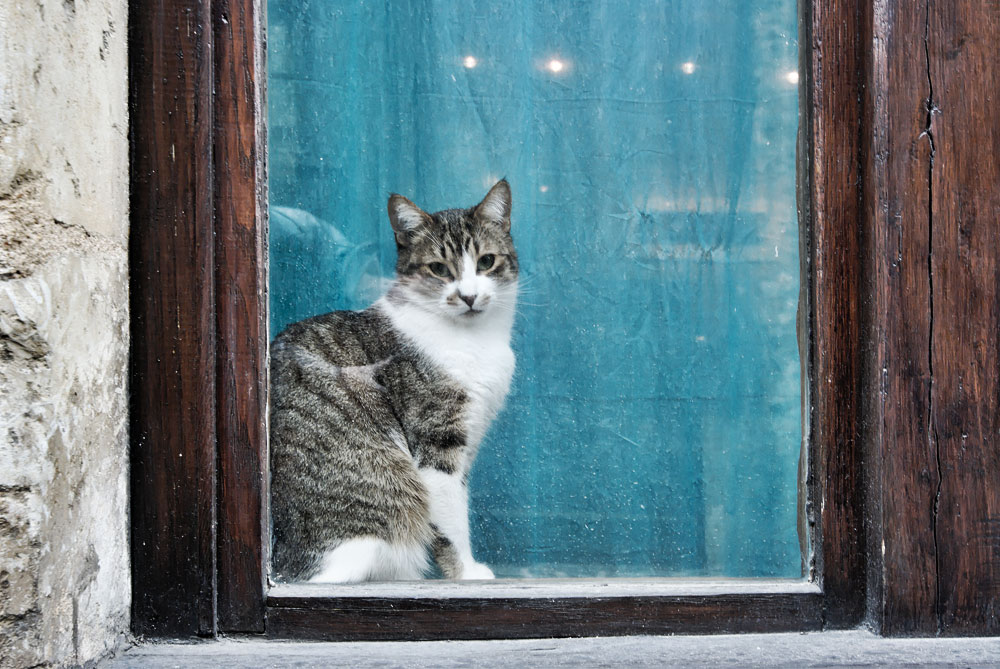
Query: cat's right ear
x: 405, y: 217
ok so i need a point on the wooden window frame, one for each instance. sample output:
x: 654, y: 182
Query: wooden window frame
x: 874, y: 472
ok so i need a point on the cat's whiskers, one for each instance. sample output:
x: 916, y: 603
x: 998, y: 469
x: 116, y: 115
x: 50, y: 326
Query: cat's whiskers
x: 506, y: 307
x: 527, y: 286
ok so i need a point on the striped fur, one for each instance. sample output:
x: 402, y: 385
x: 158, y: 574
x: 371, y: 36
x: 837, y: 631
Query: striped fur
x: 376, y: 415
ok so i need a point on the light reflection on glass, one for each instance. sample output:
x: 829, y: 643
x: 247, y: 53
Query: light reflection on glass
x: 653, y: 426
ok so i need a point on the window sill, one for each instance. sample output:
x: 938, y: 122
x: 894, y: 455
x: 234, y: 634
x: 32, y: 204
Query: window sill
x: 432, y: 610
x: 548, y: 588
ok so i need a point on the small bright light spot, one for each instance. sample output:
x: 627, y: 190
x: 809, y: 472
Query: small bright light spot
x: 544, y: 189
x: 470, y: 62
x: 555, y: 65
x: 687, y: 68
x: 792, y: 77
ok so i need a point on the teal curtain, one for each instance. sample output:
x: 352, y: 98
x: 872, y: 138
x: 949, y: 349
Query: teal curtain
x: 654, y: 425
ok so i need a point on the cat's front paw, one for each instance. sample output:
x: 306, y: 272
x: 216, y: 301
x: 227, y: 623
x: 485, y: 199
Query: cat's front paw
x: 476, y: 571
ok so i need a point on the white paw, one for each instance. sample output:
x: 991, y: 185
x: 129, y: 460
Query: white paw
x: 476, y: 571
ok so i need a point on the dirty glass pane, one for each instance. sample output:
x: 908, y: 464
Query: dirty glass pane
x: 654, y: 424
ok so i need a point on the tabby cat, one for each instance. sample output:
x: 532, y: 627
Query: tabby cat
x: 377, y: 415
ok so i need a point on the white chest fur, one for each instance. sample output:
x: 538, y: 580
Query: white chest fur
x: 476, y: 354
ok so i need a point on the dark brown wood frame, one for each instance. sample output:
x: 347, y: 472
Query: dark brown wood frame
x: 903, y: 474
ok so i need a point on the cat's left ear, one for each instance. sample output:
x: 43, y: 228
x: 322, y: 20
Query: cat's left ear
x: 495, y: 207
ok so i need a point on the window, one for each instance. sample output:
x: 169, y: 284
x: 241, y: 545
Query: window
x: 654, y: 424
x: 887, y: 361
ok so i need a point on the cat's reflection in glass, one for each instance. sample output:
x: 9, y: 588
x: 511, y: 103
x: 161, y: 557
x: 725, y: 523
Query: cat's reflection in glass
x: 376, y: 415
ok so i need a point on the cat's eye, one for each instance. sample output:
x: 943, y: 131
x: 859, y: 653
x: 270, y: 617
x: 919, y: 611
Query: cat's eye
x: 439, y: 269
x: 485, y: 262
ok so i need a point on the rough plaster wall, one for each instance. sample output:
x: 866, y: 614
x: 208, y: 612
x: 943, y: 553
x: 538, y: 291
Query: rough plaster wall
x: 64, y: 583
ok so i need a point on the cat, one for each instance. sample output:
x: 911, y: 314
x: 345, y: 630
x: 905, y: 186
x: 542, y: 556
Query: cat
x: 377, y: 415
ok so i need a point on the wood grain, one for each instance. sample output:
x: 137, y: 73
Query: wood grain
x: 900, y: 142
x: 370, y: 619
x: 172, y: 367
x: 963, y: 73
x: 902, y: 448
x: 832, y: 117
x: 931, y: 209
x: 241, y: 308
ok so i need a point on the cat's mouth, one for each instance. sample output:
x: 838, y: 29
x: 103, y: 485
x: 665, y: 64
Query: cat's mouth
x: 471, y: 313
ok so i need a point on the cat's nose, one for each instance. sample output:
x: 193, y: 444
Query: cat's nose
x: 468, y: 299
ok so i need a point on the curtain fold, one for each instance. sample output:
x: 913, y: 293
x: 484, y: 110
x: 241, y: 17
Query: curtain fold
x: 654, y: 424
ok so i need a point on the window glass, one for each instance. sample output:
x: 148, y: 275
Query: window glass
x: 654, y: 423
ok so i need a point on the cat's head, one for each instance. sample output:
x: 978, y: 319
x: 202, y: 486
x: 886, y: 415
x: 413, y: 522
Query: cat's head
x: 458, y: 263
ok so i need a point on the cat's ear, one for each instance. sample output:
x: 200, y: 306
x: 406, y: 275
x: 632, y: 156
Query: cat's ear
x: 405, y: 218
x: 495, y: 206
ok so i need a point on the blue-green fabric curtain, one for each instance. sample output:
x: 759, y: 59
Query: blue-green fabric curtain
x: 654, y: 425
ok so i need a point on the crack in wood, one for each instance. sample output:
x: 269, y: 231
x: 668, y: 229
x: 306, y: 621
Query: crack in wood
x: 932, y: 435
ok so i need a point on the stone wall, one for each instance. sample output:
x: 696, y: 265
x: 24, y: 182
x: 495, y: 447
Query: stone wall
x: 64, y: 579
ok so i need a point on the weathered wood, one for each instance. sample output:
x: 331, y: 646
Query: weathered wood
x: 963, y: 134
x: 368, y: 619
x: 932, y: 206
x: 901, y: 446
x: 241, y: 304
x: 901, y: 138
x: 172, y: 370
x: 832, y: 117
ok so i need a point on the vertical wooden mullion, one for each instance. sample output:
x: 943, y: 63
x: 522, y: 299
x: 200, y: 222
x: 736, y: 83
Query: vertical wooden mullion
x: 833, y: 114
x: 901, y: 444
x: 241, y: 308
x: 172, y: 301
x: 933, y: 252
x: 962, y: 126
